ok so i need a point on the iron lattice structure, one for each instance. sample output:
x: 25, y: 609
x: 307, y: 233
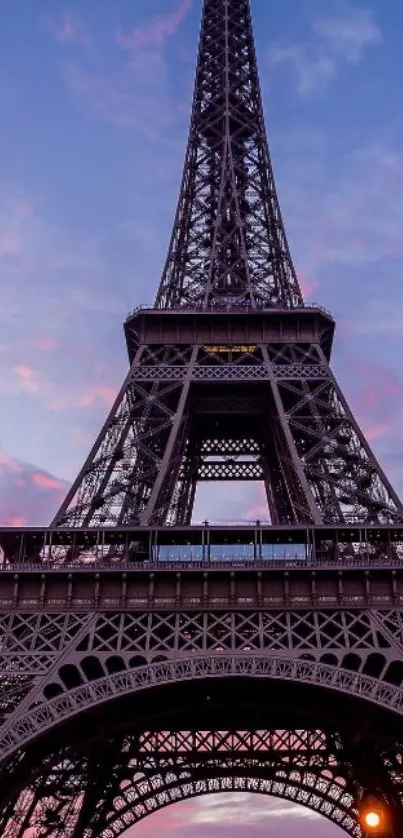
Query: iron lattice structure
x: 146, y: 660
x: 229, y: 376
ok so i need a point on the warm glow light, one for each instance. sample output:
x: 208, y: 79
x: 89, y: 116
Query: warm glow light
x: 373, y: 815
x: 372, y: 819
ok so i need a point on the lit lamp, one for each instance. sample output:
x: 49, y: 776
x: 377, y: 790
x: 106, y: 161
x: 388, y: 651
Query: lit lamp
x: 372, y: 815
x: 373, y: 819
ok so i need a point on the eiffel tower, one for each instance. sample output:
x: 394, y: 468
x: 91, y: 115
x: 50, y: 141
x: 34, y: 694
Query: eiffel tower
x: 146, y: 659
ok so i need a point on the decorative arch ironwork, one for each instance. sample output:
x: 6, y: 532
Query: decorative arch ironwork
x: 317, y: 794
x: 303, y: 766
x: 41, y: 718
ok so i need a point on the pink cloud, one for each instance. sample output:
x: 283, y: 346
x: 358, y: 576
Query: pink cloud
x: 45, y: 481
x: 8, y: 464
x: 46, y: 343
x: 308, y: 283
x: 79, y: 396
x: 255, y: 513
x: 376, y: 431
x: 96, y: 393
x: 28, y: 495
x: 376, y: 398
x: 27, y: 377
x: 16, y: 521
x: 277, y: 818
x: 58, y: 405
x: 373, y: 383
x: 157, y: 30
x: 93, y: 394
x: 82, y: 436
x: 235, y: 815
x: 258, y: 509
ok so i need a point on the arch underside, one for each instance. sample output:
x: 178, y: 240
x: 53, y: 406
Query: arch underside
x: 42, y: 717
x: 78, y: 661
x: 136, y: 776
x: 319, y: 706
x: 117, y: 763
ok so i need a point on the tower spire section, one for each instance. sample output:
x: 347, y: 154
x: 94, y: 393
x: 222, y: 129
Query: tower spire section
x: 229, y: 375
x: 228, y: 243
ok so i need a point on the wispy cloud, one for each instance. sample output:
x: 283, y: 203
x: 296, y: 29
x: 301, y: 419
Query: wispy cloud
x: 244, y: 808
x: 28, y: 495
x: 347, y: 235
x: 335, y: 41
x: 53, y: 394
x: 27, y: 377
x: 349, y: 36
x: 235, y: 815
x: 156, y: 30
x: 66, y: 28
x: 314, y: 70
x: 229, y: 502
x: 97, y: 393
x: 38, y: 260
x: 374, y: 387
x: 111, y: 99
x: 46, y: 343
x: 136, y: 93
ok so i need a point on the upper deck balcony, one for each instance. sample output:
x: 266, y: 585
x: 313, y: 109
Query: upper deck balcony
x: 220, y: 324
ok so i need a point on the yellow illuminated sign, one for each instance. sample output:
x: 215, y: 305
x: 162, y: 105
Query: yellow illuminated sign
x: 230, y: 348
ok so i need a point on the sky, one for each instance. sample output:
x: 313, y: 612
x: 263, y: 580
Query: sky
x: 95, y: 102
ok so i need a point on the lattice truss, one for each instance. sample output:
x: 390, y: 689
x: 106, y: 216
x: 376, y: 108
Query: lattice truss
x: 228, y: 238
x: 48, y: 656
x: 102, y: 794
x: 55, y: 665
x: 278, y: 416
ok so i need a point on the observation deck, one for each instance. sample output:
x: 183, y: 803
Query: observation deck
x: 220, y: 324
x: 242, y: 567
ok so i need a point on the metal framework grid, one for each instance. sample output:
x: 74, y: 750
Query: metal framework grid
x: 254, y: 658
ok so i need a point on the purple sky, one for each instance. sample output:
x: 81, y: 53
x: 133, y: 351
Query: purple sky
x: 95, y: 102
x: 235, y: 815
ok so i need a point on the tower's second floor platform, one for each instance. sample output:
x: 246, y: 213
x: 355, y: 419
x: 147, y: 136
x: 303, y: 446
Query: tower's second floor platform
x: 219, y: 326
x: 242, y: 566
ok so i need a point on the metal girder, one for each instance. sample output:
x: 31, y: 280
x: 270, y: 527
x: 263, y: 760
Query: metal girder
x: 345, y: 478
x: 99, y: 789
x: 313, y: 458
x: 302, y: 765
x: 230, y: 470
x: 231, y: 372
x: 55, y: 665
x: 58, y: 666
